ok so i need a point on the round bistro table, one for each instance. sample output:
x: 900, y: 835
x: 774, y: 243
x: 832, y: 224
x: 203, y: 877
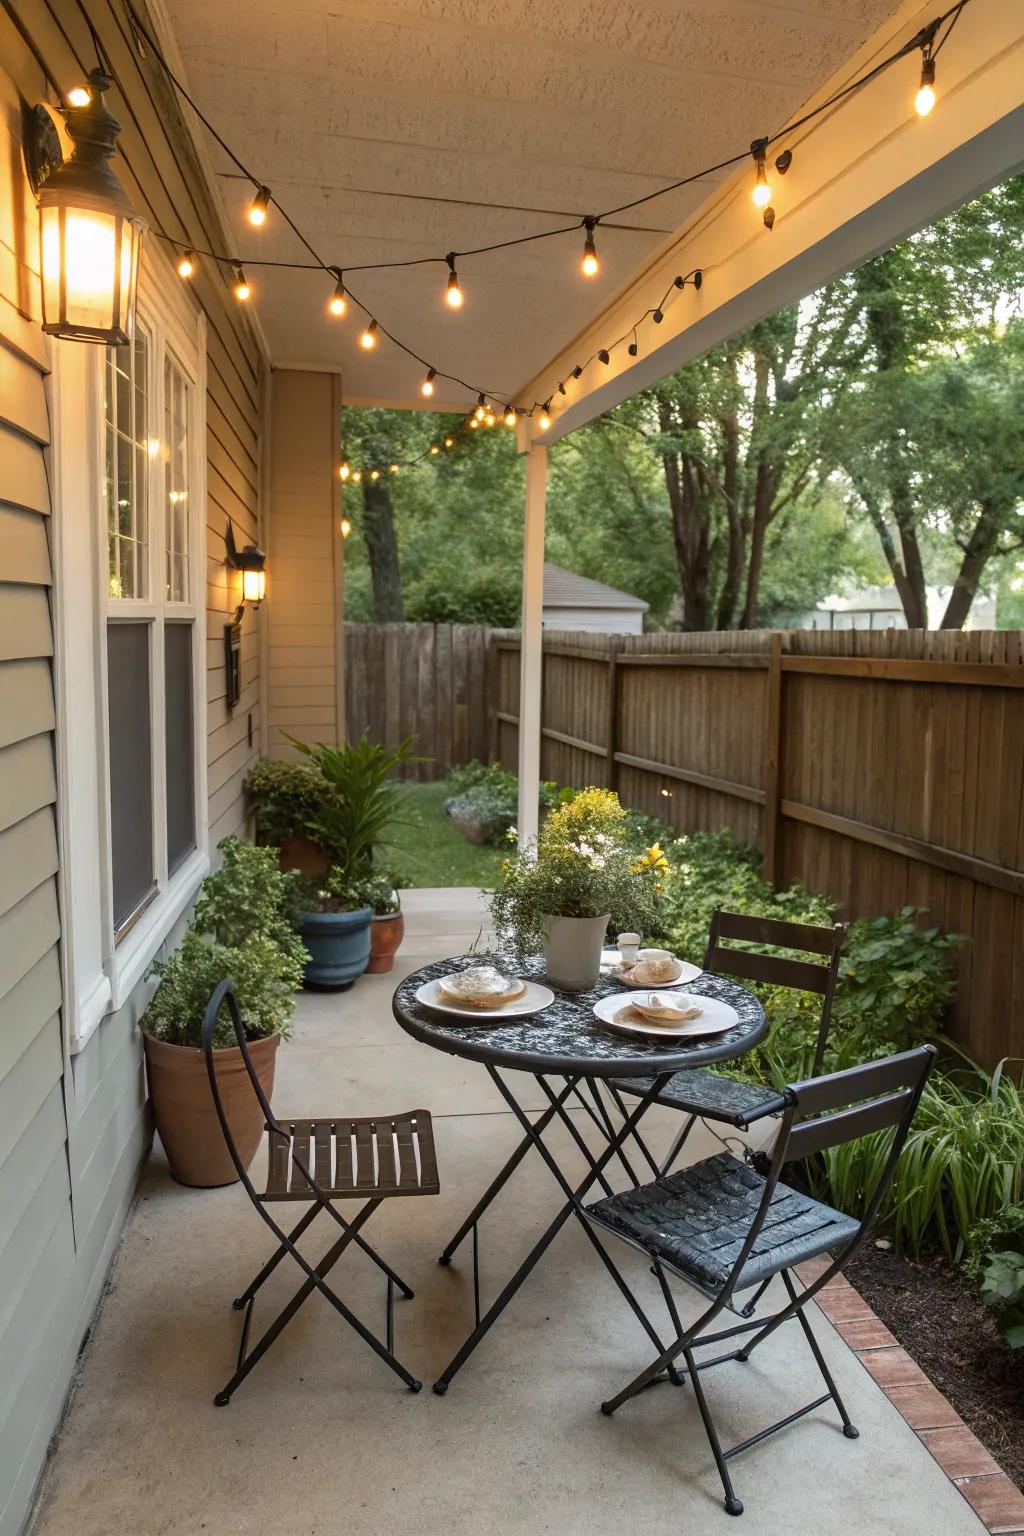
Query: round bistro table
x: 568, y: 1052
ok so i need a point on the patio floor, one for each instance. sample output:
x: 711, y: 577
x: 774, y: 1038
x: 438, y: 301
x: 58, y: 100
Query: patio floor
x: 322, y: 1439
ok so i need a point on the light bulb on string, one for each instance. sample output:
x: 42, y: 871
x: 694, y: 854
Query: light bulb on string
x: 454, y: 292
x: 79, y: 96
x: 357, y: 476
x: 186, y: 264
x: 427, y: 387
x: 434, y: 448
x: 577, y: 372
x: 449, y: 442
x: 604, y: 356
x: 509, y: 417
x: 762, y: 193
x: 481, y: 408
x: 242, y: 291
x: 393, y: 469
x: 344, y: 471
x: 490, y: 419
x: 589, y: 266
x: 924, y: 101
x: 473, y: 423
x: 545, y: 416
x: 258, y: 207
x: 374, y: 474
x: 368, y: 340
x: 338, y: 301
x: 346, y: 527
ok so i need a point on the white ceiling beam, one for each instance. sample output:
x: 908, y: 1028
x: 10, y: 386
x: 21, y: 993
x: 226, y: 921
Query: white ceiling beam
x: 864, y: 175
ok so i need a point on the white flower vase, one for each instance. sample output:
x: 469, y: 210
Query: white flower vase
x: 572, y: 951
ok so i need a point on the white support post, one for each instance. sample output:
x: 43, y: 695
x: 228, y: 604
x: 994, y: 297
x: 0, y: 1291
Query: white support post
x: 531, y: 642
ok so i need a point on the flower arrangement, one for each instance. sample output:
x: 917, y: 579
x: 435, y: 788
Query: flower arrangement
x: 584, y: 865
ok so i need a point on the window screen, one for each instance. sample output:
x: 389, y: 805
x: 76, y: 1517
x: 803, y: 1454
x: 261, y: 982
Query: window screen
x: 181, y: 799
x: 131, y: 768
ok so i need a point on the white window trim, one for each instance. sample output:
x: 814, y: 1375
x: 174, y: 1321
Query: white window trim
x: 99, y: 974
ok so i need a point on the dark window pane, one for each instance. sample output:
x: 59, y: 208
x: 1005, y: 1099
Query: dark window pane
x: 131, y: 768
x: 181, y: 798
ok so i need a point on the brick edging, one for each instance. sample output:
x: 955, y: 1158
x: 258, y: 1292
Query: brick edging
x: 996, y: 1500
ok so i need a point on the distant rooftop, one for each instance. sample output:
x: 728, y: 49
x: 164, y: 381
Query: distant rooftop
x: 565, y: 589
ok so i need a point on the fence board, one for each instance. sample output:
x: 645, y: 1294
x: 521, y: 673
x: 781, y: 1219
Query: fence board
x: 880, y: 768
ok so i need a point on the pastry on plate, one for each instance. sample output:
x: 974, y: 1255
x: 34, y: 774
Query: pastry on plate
x: 480, y: 986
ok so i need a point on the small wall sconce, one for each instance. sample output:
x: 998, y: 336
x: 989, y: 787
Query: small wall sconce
x: 252, y: 564
x: 90, y: 235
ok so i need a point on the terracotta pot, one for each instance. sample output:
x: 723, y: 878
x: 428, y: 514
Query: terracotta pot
x: 303, y: 854
x: 572, y: 951
x: 185, y: 1114
x: 386, y: 934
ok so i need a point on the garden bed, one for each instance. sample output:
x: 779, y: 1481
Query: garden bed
x: 934, y: 1312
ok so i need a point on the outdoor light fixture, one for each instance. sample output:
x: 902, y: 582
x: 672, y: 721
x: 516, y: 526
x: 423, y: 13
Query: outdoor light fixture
x: 427, y: 387
x: 252, y: 564
x: 258, y: 207
x: 924, y: 101
x: 454, y: 294
x: 762, y: 193
x: 241, y: 289
x: 90, y: 234
x: 346, y: 527
x: 368, y: 340
x: 545, y: 417
x: 589, y: 266
x: 338, y: 302
x: 186, y: 264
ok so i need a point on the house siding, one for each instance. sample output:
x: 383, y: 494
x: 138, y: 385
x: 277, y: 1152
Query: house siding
x: 74, y: 1130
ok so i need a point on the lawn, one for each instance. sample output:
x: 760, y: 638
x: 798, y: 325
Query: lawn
x: 429, y: 851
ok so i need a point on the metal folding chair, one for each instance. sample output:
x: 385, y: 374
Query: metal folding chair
x: 704, y: 1095
x: 317, y: 1162
x: 723, y: 1227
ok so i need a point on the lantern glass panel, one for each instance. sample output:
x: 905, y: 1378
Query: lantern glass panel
x: 254, y: 586
x: 90, y: 266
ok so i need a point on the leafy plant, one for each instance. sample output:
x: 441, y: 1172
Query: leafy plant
x: 240, y: 929
x: 583, y: 866
x: 485, y: 796
x: 290, y: 800
x: 337, y: 891
x: 1002, y: 1289
x: 359, y: 816
x: 378, y: 891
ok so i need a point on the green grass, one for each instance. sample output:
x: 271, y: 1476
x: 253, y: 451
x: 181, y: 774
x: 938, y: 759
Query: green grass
x: 428, y: 850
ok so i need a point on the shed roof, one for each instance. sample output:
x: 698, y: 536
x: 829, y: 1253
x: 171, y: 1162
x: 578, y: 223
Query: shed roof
x: 566, y: 589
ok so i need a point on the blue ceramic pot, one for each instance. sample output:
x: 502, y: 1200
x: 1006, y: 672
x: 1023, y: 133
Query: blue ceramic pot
x: 338, y: 944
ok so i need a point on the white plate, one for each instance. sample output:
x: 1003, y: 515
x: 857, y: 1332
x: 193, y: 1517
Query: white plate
x: 610, y: 958
x: 533, y: 1000
x: 715, y: 1017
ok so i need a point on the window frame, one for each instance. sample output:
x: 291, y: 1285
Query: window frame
x: 103, y: 964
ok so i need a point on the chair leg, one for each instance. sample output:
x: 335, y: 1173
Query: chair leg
x: 850, y: 1430
x: 750, y: 1307
x: 275, y: 1259
x: 732, y: 1504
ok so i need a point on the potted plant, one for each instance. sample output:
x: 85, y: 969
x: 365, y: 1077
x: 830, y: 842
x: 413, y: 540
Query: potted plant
x: 387, y: 929
x: 560, y: 894
x: 334, y: 923
x: 240, y: 929
x: 290, y: 802
x: 362, y: 807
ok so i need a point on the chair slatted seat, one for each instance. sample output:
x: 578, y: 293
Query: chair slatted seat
x: 324, y: 1145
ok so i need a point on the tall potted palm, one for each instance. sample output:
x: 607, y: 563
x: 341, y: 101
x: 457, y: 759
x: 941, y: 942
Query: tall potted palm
x: 357, y: 818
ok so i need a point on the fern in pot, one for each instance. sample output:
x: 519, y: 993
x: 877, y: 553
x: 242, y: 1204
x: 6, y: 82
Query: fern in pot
x: 241, y: 928
x: 559, y: 895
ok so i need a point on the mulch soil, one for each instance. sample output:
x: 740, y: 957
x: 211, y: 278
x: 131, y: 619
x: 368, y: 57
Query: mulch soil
x: 934, y: 1311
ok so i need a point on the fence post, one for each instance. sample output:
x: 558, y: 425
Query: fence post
x: 772, y: 824
x: 612, y: 728
x: 493, y: 702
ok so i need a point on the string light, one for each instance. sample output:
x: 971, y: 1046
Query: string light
x: 242, y: 290
x: 79, y: 96
x: 545, y: 417
x: 427, y: 387
x: 368, y: 340
x: 346, y: 527
x: 762, y: 193
x: 393, y: 469
x: 344, y: 471
x: 338, y: 303
x: 510, y: 416
x: 454, y: 293
x: 604, y: 356
x: 186, y: 264
x: 357, y: 476
x: 589, y: 266
x: 434, y: 448
x: 924, y: 101
x: 490, y: 419
x: 258, y: 207
x: 374, y: 474
x: 449, y: 442
x: 481, y: 407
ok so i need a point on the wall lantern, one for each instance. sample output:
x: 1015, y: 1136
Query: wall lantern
x: 89, y: 233
x: 252, y: 563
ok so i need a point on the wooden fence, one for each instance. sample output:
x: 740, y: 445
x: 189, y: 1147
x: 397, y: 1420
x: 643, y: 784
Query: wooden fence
x: 427, y: 681
x: 880, y: 768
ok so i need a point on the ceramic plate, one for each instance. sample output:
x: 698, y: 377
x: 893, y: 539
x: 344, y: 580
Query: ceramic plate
x: 715, y: 1017
x: 533, y: 1000
x: 610, y: 958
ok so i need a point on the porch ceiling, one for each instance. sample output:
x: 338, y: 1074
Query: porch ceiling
x: 394, y: 131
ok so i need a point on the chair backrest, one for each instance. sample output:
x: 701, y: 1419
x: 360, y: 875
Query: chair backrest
x: 224, y: 996
x: 826, y: 1111
x: 779, y: 970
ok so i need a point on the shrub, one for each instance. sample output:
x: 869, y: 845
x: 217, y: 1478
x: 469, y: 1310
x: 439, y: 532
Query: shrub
x: 364, y: 807
x: 289, y: 800
x: 486, y: 796
x: 241, y: 929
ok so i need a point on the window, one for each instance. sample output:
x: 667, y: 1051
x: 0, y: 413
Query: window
x: 132, y: 702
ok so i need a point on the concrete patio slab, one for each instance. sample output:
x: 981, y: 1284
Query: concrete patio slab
x: 321, y: 1439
